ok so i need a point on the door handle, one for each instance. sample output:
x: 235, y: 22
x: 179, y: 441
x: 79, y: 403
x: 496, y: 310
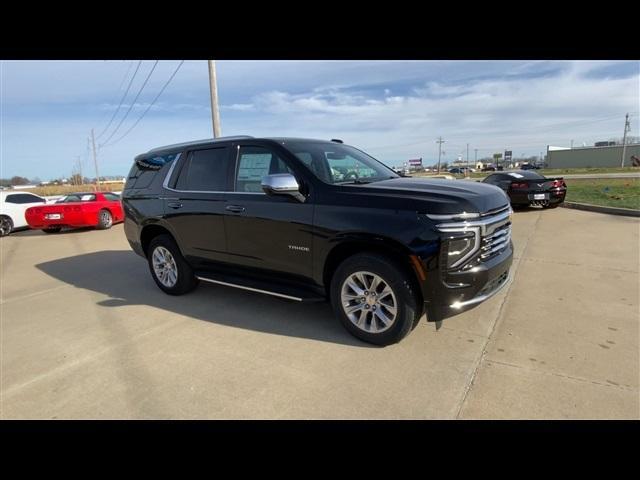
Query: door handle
x: 174, y: 205
x: 235, y: 208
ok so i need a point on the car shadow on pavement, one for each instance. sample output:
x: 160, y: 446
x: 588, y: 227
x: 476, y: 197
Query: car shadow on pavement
x: 125, y: 278
x: 36, y: 232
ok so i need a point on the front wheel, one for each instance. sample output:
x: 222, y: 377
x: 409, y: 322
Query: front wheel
x: 169, y: 269
x: 6, y: 225
x: 375, y: 299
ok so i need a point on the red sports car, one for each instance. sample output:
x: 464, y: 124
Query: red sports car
x: 90, y: 209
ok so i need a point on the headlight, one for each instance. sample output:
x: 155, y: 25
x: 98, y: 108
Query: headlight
x: 459, y: 246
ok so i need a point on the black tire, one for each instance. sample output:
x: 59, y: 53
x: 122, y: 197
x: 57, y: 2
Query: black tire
x: 409, y: 308
x: 52, y: 229
x: 6, y: 225
x: 105, y: 219
x: 186, y: 279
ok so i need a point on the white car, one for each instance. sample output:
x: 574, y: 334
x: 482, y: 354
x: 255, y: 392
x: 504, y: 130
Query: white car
x: 12, y: 208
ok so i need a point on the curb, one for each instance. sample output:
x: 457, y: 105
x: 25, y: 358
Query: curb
x: 627, y: 212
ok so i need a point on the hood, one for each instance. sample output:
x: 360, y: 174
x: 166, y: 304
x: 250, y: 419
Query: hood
x: 440, y: 196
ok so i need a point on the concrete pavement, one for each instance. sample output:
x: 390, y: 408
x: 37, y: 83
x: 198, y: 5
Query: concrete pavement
x: 85, y: 333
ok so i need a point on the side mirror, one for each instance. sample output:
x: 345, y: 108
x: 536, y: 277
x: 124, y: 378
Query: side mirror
x: 282, y: 184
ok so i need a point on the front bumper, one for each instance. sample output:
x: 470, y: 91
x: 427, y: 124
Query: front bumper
x: 481, y: 283
x: 452, y: 287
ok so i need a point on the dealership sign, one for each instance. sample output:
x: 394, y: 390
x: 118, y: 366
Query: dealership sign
x: 416, y: 162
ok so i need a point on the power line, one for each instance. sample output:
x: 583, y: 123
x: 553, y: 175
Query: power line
x: 132, y: 104
x: 123, y: 96
x: 125, y: 76
x: 150, y: 105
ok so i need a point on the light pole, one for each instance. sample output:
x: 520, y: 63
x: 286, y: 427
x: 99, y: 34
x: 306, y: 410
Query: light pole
x: 213, y: 87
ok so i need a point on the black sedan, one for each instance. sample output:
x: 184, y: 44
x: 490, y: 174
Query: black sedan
x: 527, y: 187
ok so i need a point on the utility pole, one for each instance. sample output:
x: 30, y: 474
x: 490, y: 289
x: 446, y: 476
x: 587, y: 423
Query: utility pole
x: 213, y: 86
x: 627, y: 128
x: 571, y: 143
x: 476, y: 157
x: 95, y: 160
x: 467, y: 170
x: 439, y: 142
x: 80, y: 170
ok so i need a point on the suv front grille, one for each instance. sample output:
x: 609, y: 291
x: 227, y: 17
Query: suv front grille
x: 492, y: 233
x: 496, y: 242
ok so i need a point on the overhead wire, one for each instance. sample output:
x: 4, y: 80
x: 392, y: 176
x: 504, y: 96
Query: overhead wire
x: 148, y: 107
x: 130, y: 106
x: 123, y: 97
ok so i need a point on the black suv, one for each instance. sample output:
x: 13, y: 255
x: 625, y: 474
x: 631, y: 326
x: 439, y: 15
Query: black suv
x: 310, y: 220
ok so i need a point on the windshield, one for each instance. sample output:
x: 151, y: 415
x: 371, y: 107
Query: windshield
x: 340, y: 164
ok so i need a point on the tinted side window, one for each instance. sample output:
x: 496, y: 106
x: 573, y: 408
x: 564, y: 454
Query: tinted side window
x: 112, y: 197
x: 205, y: 170
x: 253, y: 164
x: 23, y: 198
x: 144, y: 170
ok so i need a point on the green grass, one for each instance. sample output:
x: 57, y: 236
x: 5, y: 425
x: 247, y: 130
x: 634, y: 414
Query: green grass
x: 554, y: 172
x: 611, y: 192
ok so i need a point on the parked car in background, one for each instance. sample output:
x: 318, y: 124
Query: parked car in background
x: 529, y: 166
x: 86, y: 209
x: 526, y: 187
x: 270, y: 215
x: 461, y: 170
x: 13, y: 206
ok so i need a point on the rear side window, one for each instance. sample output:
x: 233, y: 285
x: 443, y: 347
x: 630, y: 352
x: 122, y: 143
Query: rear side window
x: 205, y: 170
x: 144, y: 170
x: 23, y: 198
x: 112, y: 197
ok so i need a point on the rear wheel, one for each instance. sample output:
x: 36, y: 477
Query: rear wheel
x: 105, y: 220
x: 52, y: 229
x: 6, y: 225
x: 169, y: 269
x: 375, y: 300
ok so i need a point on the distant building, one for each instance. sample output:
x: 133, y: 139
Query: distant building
x: 22, y: 187
x: 591, y: 157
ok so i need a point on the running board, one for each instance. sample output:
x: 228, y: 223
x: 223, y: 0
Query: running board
x: 286, y: 292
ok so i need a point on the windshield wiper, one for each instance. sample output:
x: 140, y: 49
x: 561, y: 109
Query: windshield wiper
x: 357, y: 181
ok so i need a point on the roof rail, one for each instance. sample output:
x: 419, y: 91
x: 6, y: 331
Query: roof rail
x: 198, y: 142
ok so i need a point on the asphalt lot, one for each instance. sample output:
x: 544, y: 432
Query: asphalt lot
x: 85, y: 333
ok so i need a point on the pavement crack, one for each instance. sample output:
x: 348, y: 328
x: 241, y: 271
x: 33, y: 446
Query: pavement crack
x: 499, y: 315
x: 572, y: 264
x: 561, y: 375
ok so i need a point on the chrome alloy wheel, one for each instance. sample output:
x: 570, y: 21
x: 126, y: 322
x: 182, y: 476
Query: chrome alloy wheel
x: 105, y: 219
x: 369, y: 302
x: 164, y: 266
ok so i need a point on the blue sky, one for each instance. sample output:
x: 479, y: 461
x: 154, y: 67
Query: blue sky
x: 394, y: 110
